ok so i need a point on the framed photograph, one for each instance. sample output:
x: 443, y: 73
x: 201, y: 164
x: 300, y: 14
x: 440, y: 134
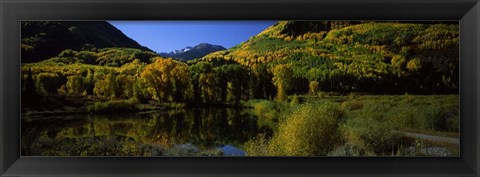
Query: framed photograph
x: 239, y: 88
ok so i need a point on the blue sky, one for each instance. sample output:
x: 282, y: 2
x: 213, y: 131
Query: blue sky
x: 166, y: 36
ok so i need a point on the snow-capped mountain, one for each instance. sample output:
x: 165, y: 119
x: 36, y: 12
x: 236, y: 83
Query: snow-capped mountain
x: 189, y: 53
x: 181, y: 50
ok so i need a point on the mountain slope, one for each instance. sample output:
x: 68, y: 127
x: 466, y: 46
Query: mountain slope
x: 375, y: 57
x: 190, y: 53
x: 44, y: 39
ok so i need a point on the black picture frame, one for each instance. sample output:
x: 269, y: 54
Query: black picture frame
x: 467, y: 12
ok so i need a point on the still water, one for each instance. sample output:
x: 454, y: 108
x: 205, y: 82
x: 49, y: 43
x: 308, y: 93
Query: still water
x: 184, y: 132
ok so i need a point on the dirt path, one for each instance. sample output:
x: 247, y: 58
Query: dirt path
x: 429, y: 137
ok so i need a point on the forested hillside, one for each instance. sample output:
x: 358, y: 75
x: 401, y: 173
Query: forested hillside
x: 374, y: 57
x: 44, y: 39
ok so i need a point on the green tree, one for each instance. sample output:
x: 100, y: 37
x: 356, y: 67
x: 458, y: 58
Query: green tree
x: 167, y: 79
x: 314, y: 85
x: 181, y: 82
x: 89, y: 82
x: 125, y: 85
x: 49, y: 83
x: 282, y: 79
x: 30, y: 94
x: 207, y: 82
x: 75, y: 84
x: 236, y: 75
x: 221, y: 80
x: 105, y: 84
x: 195, y: 70
x: 198, y: 72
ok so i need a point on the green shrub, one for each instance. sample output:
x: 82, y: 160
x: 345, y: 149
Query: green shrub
x: 453, y: 123
x: 404, y: 116
x: 48, y: 83
x: 439, y: 118
x: 310, y: 130
x: 257, y: 146
x: 313, y: 87
x: 271, y: 110
x: 369, y: 134
x: 352, y: 105
x: 429, y: 118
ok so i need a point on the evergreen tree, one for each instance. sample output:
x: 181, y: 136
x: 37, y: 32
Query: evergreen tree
x: 30, y: 95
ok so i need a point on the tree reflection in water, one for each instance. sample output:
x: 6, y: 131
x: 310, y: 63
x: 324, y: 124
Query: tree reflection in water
x: 183, y: 132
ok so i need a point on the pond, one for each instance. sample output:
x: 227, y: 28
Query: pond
x: 181, y: 132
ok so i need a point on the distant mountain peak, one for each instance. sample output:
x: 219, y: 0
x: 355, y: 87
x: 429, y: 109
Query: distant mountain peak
x: 189, y: 53
x: 181, y: 50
